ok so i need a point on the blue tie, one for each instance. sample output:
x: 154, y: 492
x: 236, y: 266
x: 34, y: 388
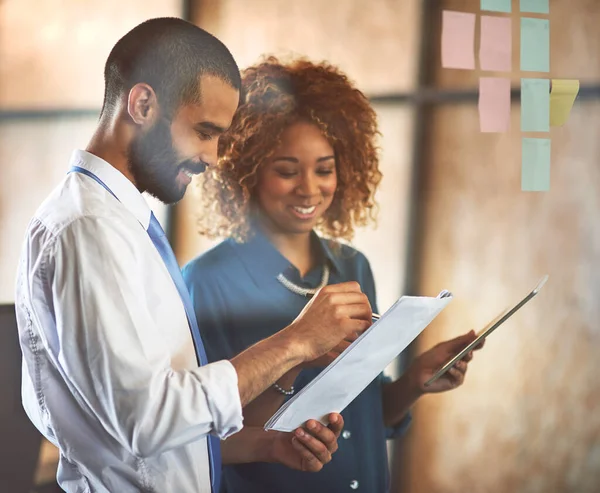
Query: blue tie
x: 158, y: 237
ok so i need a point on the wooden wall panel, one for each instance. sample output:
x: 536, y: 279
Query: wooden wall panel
x: 526, y: 420
x: 53, y: 51
x: 34, y: 156
x: 385, y: 243
x: 376, y: 45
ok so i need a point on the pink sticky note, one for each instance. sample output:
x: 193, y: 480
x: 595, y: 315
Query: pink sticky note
x: 494, y: 104
x: 495, y: 50
x: 458, y: 40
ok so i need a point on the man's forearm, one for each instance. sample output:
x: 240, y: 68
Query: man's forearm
x: 261, y: 365
x: 257, y: 412
x: 249, y: 445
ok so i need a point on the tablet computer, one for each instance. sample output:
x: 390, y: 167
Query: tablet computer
x: 502, y: 317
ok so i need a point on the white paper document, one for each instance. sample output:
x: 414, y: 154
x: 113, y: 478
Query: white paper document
x: 353, y: 370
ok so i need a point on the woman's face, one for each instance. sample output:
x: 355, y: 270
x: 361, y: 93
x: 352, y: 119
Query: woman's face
x: 296, y: 186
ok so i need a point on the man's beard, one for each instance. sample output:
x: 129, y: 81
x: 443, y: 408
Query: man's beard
x: 154, y: 164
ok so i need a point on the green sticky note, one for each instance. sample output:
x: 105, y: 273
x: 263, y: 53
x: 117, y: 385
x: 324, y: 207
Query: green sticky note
x: 535, y: 165
x: 535, y: 45
x: 535, y: 105
x: 496, y: 5
x: 535, y: 6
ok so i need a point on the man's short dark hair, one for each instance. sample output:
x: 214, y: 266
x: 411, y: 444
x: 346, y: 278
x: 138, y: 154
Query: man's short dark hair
x: 170, y: 55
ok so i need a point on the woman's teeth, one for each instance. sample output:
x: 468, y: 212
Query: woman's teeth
x: 305, y: 210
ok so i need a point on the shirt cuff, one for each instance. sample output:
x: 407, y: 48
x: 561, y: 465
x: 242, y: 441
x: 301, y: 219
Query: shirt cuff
x: 220, y: 383
x: 400, y: 429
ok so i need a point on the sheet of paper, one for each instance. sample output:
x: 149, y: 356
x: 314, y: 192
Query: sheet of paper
x: 495, y: 48
x: 535, y: 105
x: 535, y: 6
x: 351, y: 372
x: 494, y: 104
x: 496, y: 5
x: 535, y: 166
x: 535, y: 45
x: 458, y: 40
x: 562, y: 97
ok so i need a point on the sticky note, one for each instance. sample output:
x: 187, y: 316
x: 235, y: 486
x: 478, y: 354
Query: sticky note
x: 494, y: 104
x: 535, y: 6
x: 535, y: 45
x: 495, y: 48
x: 535, y: 105
x: 562, y: 97
x: 496, y: 5
x: 458, y: 40
x: 535, y: 165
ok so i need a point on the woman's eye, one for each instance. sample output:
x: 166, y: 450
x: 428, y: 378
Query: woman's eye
x: 286, y: 174
x: 325, y: 171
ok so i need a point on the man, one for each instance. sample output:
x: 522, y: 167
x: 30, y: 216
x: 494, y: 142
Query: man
x: 114, y: 370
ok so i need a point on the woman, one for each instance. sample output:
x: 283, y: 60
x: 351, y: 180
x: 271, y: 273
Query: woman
x: 300, y: 159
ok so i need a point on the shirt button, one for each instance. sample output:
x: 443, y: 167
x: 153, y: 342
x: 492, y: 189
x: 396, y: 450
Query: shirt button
x: 346, y: 434
x: 354, y: 484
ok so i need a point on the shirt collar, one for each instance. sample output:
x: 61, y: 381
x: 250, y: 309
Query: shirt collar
x: 123, y: 189
x: 328, y: 252
x: 263, y: 261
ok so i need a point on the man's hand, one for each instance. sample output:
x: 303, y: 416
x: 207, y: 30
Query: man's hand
x: 336, y: 312
x: 306, y: 449
x: 309, y: 448
x: 328, y: 357
x: 428, y: 363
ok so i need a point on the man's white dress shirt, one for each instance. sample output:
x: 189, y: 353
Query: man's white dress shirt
x: 110, y: 374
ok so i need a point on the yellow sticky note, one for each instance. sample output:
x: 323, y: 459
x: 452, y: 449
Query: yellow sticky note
x: 562, y: 97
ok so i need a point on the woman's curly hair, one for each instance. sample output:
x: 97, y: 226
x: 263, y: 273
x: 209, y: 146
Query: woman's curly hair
x: 275, y: 95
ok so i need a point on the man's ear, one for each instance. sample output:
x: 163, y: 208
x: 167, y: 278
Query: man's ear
x: 142, y: 105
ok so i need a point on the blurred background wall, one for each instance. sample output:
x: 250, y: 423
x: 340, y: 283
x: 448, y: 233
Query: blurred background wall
x: 452, y: 214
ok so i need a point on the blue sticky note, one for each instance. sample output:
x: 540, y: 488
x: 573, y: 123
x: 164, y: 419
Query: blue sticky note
x: 535, y: 165
x: 497, y: 5
x: 535, y: 45
x: 535, y: 105
x: 535, y: 6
